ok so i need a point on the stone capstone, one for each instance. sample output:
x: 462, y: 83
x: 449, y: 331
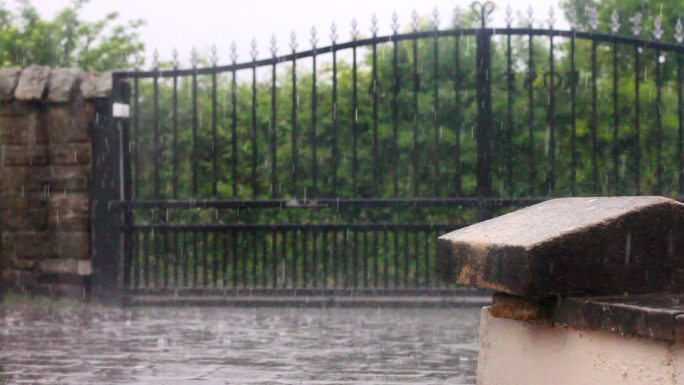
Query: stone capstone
x: 9, y: 77
x: 571, y: 246
x: 96, y: 85
x: 32, y: 83
x: 63, y: 83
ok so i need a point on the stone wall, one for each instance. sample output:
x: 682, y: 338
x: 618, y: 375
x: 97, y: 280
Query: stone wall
x: 46, y: 121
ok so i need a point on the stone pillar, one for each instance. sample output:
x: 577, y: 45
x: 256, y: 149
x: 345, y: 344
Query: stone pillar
x: 588, y: 291
x: 46, y: 120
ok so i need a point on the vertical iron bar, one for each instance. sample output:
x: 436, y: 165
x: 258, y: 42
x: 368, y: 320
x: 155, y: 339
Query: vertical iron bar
x: 415, y: 120
x: 637, y: 119
x: 255, y: 258
x: 552, y: 121
x: 295, y: 129
x: 243, y: 256
x: 377, y: 184
x: 416, y: 258
x: 274, y: 133
x: 426, y: 247
x: 531, y: 76
x: 376, y: 255
x: 186, y: 263
x: 366, y: 255
x: 680, y: 116
x: 195, y: 260
x: 616, y: 123
x: 397, y: 269
x: 305, y: 258
x: 283, y: 256
x: 205, y: 259
x: 573, y: 116
x: 314, y: 258
x: 326, y: 271
x: 164, y: 256
x: 146, y: 259
x: 435, y: 116
x: 485, y: 121
x: 355, y: 115
x: 510, y: 82
x: 214, y: 137
x: 195, y: 123
x: 136, y: 134
x: 593, y: 125
x: 295, y: 255
x: 157, y: 139
x: 345, y: 258
x: 335, y: 260
x: 457, y: 117
x: 254, y: 138
x: 174, y: 117
x: 659, y: 125
x: 314, y: 135
x: 385, y: 260
x: 234, y: 251
x: 335, y: 155
x: 395, y: 115
x: 274, y: 260
x: 355, y: 259
x: 406, y: 259
x: 234, y: 145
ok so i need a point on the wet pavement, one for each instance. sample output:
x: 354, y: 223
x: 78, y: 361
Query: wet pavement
x: 48, y: 343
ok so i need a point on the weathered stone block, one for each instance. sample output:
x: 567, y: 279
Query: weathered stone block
x: 29, y: 244
x: 78, y: 267
x: 69, y: 178
x: 18, y: 108
x: 70, y: 154
x: 72, y: 244
x: 24, y: 220
x: 19, y: 279
x: 9, y: 77
x: 63, y: 84
x: 97, y: 85
x: 16, y: 200
x: 32, y: 83
x: 577, y: 246
x: 25, y: 155
x: 24, y: 178
x: 69, y: 212
x: 70, y: 123
x: 521, y: 308
x: 24, y: 129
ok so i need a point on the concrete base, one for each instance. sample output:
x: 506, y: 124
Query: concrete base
x: 538, y: 353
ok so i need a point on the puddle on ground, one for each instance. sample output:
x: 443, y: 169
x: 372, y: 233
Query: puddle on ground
x: 76, y: 344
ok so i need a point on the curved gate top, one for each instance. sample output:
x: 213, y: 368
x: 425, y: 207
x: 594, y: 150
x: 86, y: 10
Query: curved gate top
x: 333, y: 169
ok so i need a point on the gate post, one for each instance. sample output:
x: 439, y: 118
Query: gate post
x: 485, y: 119
x: 107, y: 188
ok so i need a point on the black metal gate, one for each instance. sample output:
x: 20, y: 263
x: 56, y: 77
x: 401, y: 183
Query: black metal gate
x: 334, y: 169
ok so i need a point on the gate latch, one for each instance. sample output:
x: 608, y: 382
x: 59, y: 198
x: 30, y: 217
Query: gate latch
x: 121, y: 110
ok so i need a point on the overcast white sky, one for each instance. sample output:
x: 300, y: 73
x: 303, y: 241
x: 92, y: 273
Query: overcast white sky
x: 201, y: 23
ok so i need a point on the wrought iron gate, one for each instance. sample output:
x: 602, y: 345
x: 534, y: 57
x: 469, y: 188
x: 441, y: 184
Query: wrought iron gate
x: 337, y: 177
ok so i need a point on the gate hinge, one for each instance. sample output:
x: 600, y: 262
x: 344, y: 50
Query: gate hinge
x: 121, y: 110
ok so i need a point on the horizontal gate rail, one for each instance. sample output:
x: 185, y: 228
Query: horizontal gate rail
x: 598, y: 37
x: 328, y: 203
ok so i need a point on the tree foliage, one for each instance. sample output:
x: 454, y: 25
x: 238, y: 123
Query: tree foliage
x: 67, y: 40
